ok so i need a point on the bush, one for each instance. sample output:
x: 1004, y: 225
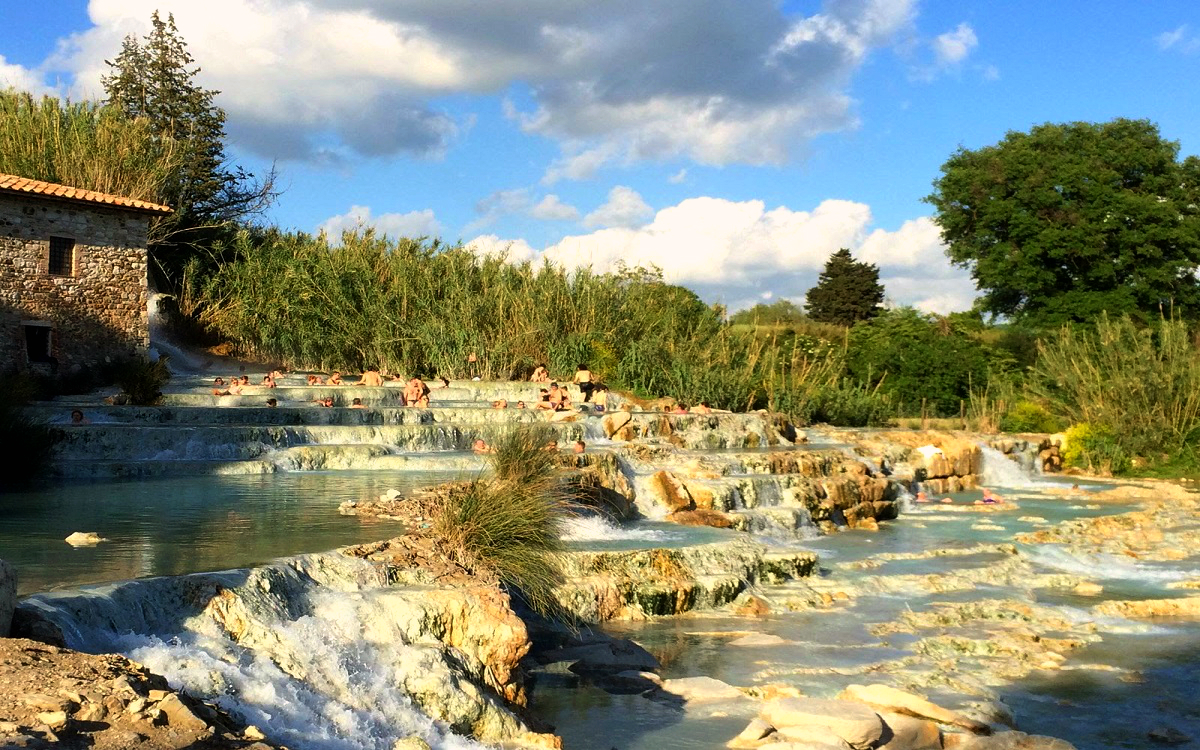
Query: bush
x: 142, y: 380
x: 850, y: 404
x: 512, y: 524
x: 1095, y: 448
x: 1029, y: 416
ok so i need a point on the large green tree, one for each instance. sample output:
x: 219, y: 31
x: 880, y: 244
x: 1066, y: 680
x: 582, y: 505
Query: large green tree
x: 1066, y: 221
x: 154, y: 80
x: 846, y: 292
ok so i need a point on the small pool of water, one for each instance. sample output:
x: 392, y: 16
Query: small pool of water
x: 171, y: 526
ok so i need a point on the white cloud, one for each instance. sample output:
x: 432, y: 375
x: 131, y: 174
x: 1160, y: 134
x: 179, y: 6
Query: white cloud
x: 309, y: 78
x: 21, y: 78
x: 550, y: 208
x: 952, y: 47
x: 411, y: 224
x: 624, y: 208
x: 741, y: 252
x: 678, y: 177
x: 516, y: 251
x: 1180, y: 40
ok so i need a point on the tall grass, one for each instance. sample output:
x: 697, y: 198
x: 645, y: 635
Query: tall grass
x: 420, y: 307
x: 83, y: 144
x: 1141, y: 385
x: 512, y: 524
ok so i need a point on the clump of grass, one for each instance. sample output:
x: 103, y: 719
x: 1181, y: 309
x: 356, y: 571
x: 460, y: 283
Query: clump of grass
x: 512, y: 523
x: 27, y: 441
x: 142, y: 380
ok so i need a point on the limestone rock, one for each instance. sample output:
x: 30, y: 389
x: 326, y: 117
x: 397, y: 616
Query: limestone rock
x: 754, y: 735
x: 901, y: 702
x: 855, y: 723
x: 410, y: 743
x: 667, y: 491
x: 1004, y: 741
x: 910, y: 733
x: 702, y: 689
x: 179, y: 715
x: 759, y: 639
x: 1136, y: 609
x: 84, y: 539
x: 8, y: 596
x: 614, y: 422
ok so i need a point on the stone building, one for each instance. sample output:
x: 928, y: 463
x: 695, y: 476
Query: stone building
x: 72, y: 276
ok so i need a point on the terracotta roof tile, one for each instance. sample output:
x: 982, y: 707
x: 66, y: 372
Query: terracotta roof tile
x: 13, y: 184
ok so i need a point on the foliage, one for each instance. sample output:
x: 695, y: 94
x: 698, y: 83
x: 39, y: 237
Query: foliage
x: 779, y: 311
x: 846, y: 292
x: 909, y: 355
x: 1095, y: 448
x: 420, y: 307
x: 1029, y: 416
x: 142, y: 380
x: 851, y: 404
x: 84, y: 145
x: 154, y: 80
x: 512, y: 525
x: 1066, y: 221
x: 27, y: 441
x: 1138, y: 385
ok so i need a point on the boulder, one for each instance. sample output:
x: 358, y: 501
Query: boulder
x: 84, y: 538
x: 755, y: 734
x: 901, y: 702
x: 608, y: 657
x: 8, y: 597
x: 702, y: 689
x: 614, y: 422
x: 909, y: 733
x: 667, y: 491
x: 179, y: 715
x: 856, y: 724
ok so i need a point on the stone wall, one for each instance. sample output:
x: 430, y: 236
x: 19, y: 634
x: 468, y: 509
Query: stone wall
x: 99, y: 312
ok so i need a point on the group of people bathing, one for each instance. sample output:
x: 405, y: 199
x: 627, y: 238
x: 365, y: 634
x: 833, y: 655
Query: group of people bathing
x: 989, y: 498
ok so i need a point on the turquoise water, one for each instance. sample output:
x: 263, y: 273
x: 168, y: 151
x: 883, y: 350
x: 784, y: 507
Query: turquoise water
x: 170, y: 526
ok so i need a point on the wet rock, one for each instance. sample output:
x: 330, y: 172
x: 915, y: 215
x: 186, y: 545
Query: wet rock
x: 854, y: 723
x: 665, y: 490
x: 1168, y: 736
x: 909, y: 733
x: 1004, y: 741
x: 1184, y: 607
x: 611, y: 657
x: 410, y: 743
x: 701, y: 517
x: 8, y: 597
x: 754, y: 735
x: 901, y: 702
x: 1088, y: 588
x: 84, y: 539
x: 702, y: 689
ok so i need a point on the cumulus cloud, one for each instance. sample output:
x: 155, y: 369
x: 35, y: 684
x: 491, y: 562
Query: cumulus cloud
x: 551, y: 208
x: 411, y: 224
x: 624, y: 208
x: 739, y: 253
x: 21, y: 78
x: 718, y: 81
x: 954, y: 46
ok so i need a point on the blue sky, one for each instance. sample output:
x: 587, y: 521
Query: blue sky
x: 734, y: 143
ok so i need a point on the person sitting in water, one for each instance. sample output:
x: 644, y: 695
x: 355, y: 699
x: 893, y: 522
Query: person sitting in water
x: 989, y: 498
x: 357, y: 404
x: 327, y: 402
x: 481, y: 446
x: 520, y: 405
x: 540, y: 375
x: 219, y: 381
x: 272, y: 403
x: 680, y: 409
x: 922, y: 497
x: 579, y: 446
x: 371, y: 378
x: 314, y: 380
x: 500, y: 403
x: 334, y: 379
x: 78, y: 418
x: 583, y: 379
x: 544, y: 400
x: 558, y: 399
x: 416, y: 393
x: 701, y: 408
x: 268, y: 381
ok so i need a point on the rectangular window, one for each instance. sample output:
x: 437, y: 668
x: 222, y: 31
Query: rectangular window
x: 38, y: 343
x: 62, y: 256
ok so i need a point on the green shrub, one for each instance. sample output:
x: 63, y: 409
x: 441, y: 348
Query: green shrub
x: 850, y: 404
x: 521, y: 456
x: 1095, y: 448
x: 142, y: 380
x: 1029, y: 416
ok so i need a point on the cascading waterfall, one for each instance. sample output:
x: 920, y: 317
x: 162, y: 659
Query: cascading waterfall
x: 323, y: 662
x: 1001, y: 471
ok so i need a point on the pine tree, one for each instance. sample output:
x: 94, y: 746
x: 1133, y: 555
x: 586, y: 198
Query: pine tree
x: 155, y: 80
x: 846, y: 292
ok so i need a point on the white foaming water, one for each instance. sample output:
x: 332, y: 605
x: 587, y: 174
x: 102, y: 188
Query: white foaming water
x: 1001, y: 471
x: 1101, y: 565
x: 600, y: 529
x: 314, y: 667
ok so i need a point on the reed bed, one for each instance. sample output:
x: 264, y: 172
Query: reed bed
x: 420, y: 307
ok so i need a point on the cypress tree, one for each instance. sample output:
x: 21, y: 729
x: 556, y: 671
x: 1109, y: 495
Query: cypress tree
x: 846, y: 292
